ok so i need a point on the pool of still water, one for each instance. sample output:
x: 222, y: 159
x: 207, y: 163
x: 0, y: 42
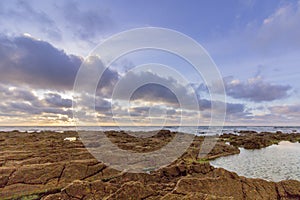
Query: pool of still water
x: 274, y: 163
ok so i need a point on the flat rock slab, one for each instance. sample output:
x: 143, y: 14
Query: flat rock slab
x: 45, y: 166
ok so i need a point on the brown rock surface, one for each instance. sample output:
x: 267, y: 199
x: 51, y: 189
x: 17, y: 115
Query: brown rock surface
x: 44, y: 166
x: 254, y: 140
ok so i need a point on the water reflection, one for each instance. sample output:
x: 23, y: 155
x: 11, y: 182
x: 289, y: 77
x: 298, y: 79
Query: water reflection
x: 274, y: 163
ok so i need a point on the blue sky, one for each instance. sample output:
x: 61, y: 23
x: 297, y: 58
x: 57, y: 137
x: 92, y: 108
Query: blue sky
x: 255, y: 45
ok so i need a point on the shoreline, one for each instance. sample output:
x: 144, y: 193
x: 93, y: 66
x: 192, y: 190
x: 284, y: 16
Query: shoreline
x: 187, y: 129
x: 45, y: 166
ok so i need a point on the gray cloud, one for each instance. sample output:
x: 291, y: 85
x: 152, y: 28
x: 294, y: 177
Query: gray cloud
x: 255, y: 89
x: 140, y: 111
x: 27, y: 108
x: 19, y: 101
x: 156, y: 114
x: 102, y: 105
x: 15, y: 94
x: 154, y: 88
x: 277, y: 115
x: 107, y: 82
x: 86, y: 24
x: 21, y: 94
x: 156, y: 93
x: 57, y: 101
x: 235, y: 108
x: 23, y: 107
x: 204, y: 104
x: 36, y: 63
x: 286, y: 110
x: 25, y: 95
x: 52, y: 110
x: 13, y: 12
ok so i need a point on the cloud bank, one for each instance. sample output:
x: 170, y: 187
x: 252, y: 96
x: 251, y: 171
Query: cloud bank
x: 36, y: 63
x: 29, y: 65
x: 255, y: 89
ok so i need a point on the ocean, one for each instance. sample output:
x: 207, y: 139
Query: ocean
x: 201, y: 130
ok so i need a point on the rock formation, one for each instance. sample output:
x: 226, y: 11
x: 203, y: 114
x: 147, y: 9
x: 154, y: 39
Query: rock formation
x: 45, y: 166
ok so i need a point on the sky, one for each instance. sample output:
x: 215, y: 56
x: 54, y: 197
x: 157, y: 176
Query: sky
x: 254, y: 44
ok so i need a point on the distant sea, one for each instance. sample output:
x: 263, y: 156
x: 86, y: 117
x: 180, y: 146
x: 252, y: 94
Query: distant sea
x: 201, y: 130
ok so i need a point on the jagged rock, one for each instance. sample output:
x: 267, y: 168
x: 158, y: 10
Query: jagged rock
x: 99, y: 189
x: 247, y: 132
x: 289, y: 189
x: 222, y: 149
x: 216, y: 186
x: 253, y: 140
x: 132, y: 190
x: 228, y: 187
x: 50, y: 168
x: 36, y: 174
x: 78, y: 189
x: 201, y: 168
x: 5, y: 173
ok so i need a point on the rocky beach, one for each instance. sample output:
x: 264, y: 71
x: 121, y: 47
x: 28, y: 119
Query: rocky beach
x: 43, y: 165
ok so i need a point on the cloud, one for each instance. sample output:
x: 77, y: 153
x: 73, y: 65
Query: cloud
x: 14, y: 12
x: 277, y: 115
x: 155, y: 93
x: 10, y: 94
x: 286, y: 110
x: 57, y: 101
x: 25, y: 60
x: 87, y: 23
x: 40, y: 65
x: 233, y: 110
x: 107, y: 82
x: 147, y: 111
x: 281, y: 28
x: 150, y: 87
x: 59, y: 111
x: 36, y: 64
x: 23, y: 107
x: 102, y: 105
x: 255, y: 89
x: 22, y: 102
x: 166, y: 91
x: 21, y: 94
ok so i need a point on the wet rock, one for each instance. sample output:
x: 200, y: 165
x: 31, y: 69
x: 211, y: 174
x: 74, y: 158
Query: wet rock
x: 202, y: 168
x: 77, y: 189
x: 254, y: 140
x: 289, y: 189
x: 35, y: 174
x: 5, y: 173
x: 132, y: 190
x: 44, y: 166
x: 247, y: 132
x: 221, y: 149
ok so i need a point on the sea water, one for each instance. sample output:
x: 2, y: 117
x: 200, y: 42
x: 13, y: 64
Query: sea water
x: 274, y: 163
x: 200, y: 130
